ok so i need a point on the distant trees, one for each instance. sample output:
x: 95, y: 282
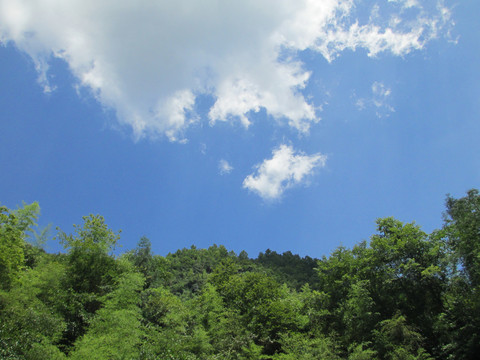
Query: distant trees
x: 404, y: 294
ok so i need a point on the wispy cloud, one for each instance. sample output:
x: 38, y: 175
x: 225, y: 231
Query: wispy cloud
x: 405, y: 3
x: 284, y: 170
x: 380, y: 100
x: 150, y: 60
x: 224, y: 167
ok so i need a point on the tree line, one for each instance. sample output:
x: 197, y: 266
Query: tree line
x: 404, y: 294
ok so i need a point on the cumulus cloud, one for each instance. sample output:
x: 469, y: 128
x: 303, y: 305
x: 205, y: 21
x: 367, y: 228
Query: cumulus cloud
x: 285, y: 169
x: 150, y: 60
x: 224, y: 167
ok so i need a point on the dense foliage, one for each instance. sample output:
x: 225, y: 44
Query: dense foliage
x: 404, y: 294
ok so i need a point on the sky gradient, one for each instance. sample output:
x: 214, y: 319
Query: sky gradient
x: 289, y: 125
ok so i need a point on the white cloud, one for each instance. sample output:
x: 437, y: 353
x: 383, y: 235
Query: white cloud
x: 224, y: 167
x: 406, y: 3
x: 285, y: 169
x: 149, y: 60
x: 360, y: 104
x: 379, y: 101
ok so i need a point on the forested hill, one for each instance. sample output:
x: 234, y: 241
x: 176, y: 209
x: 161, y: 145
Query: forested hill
x: 404, y: 294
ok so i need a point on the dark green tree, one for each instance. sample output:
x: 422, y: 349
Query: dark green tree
x: 90, y: 260
x: 462, y: 223
x: 406, y: 273
x: 266, y: 308
x: 396, y: 340
x: 91, y: 272
x: 460, y: 323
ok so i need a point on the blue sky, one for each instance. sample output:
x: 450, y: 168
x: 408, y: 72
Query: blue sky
x: 287, y: 125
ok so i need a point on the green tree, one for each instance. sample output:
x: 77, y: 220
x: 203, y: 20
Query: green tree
x: 91, y: 272
x: 190, y: 268
x: 31, y: 323
x: 460, y: 323
x: 402, y: 269
x: 173, y: 327
x: 289, y: 268
x: 359, y: 315
x: 13, y: 228
x: 396, y: 340
x: 91, y: 265
x: 11, y: 247
x: 336, y: 275
x: 27, y: 215
x: 115, y: 331
x: 142, y: 257
x: 266, y: 308
x: 462, y: 223
x: 407, y: 270
x: 298, y: 346
x: 315, y: 307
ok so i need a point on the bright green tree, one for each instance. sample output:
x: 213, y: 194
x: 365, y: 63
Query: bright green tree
x: 116, y: 331
x: 173, y: 327
x: 31, y: 322
x: 303, y: 346
x: 13, y: 228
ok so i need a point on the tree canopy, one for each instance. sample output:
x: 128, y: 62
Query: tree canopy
x: 403, y: 294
